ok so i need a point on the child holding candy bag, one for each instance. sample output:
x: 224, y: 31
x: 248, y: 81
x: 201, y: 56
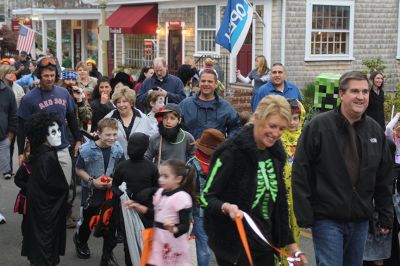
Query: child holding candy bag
x: 95, y: 166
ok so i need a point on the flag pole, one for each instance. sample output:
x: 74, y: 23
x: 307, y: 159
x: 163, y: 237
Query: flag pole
x: 255, y: 12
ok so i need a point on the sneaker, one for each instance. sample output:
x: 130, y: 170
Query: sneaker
x: 2, y: 219
x: 7, y: 176
x: 82, y: 249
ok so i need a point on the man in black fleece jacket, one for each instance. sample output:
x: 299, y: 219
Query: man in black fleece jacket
x: 341, y: 174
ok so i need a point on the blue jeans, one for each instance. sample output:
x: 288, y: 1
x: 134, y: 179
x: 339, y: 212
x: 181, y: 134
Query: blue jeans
x: 339, y: 244
x: 202, y: 249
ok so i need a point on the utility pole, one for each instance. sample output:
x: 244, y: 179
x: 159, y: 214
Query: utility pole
x: 104, y: 36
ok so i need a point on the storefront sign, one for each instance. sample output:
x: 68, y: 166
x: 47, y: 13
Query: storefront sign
x: 15, y: 23
x: 175, y: 23
x: 116, y: 30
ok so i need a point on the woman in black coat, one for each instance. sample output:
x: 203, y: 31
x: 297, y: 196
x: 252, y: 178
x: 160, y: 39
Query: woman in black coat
x: 246, y: 175
x: 377, y: 98
x: 101, y: 101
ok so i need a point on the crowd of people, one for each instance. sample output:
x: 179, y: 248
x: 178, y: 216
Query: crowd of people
x: 166, y: 157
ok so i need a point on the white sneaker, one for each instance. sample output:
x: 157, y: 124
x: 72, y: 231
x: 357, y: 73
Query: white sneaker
x: 2, y: 219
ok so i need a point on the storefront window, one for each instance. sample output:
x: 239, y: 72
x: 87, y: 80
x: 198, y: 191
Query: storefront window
x: 66, y: 44
x: 38, y: 40
x: 135, y: 55
x: 51, y: 36
x: 92, y: 40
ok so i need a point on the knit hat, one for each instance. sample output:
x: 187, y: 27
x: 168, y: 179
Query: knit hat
x: 123, y: 78
x: 209, y: 140
x: 169, y: 107
x: 91, y: 62
x: 69, y: 75
x: 6, y: 60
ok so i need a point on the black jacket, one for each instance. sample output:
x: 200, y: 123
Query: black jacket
x: 44, y: 224
x: 8, y: 111
x: 322, y: 187
x: 376, y: 107
x: 139, y: 174
x: 235, y: 182
x: 99, y: 111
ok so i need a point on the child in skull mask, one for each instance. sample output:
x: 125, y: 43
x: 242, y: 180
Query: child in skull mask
x: 172, y: 142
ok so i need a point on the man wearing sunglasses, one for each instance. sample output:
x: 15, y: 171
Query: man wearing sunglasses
x: 47, y: 97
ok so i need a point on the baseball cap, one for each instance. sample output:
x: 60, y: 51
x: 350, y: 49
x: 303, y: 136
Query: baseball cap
x: 169, y: 107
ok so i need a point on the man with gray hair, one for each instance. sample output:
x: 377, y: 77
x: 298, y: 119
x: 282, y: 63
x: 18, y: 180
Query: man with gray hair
x: 169, y: 85
x: 342, y: 175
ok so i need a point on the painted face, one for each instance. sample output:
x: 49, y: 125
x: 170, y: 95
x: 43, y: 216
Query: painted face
x: 278, y: 75
x: 54, y: 135
x: 158, y: 104
x: 207, y: 84
x: 107, y: 136
x: 354, y: 100
x: 294, y: 124
x: 160, y: 70
x: 378, y: 80
x: 47, y: 79
x: 123, y: 105
x: 149, y: 73
x: 104, y: 87
x: 168, y: 180
x: 267, y: 132
x: 170, y: 120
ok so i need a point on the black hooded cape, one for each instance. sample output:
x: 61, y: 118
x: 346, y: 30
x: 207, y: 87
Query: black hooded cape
x: 45, y: 222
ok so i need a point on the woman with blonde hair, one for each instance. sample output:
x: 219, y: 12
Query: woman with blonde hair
x: 130, y: 119
x: 246, y: 182
x: 86, y: 82
x: 261, y: 75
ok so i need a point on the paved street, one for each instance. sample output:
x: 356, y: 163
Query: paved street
x: 10, y: 236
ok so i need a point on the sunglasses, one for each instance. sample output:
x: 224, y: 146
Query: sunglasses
x: 47, y: 61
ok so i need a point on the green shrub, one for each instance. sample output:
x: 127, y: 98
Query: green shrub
x: 390, y: 101
x: 373, y: 64
x: 308, y: 101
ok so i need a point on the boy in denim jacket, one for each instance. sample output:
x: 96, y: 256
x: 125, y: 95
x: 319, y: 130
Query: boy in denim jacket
x: 97, y: 158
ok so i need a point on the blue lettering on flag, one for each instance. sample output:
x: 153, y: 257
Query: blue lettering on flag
x: 235, y: 25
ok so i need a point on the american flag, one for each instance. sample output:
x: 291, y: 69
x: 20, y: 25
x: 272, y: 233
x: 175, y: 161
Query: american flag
x: 26, y: 38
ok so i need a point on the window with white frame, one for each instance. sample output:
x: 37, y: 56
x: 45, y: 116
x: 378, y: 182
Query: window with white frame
x: 329, y: 34
x: 135, y: 54
x: 206, y: 28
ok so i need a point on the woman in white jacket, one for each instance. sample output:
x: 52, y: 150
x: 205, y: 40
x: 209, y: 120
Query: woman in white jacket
x: 129, y: 118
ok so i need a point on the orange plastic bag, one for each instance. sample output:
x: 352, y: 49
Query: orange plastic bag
x: 148, y: 235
